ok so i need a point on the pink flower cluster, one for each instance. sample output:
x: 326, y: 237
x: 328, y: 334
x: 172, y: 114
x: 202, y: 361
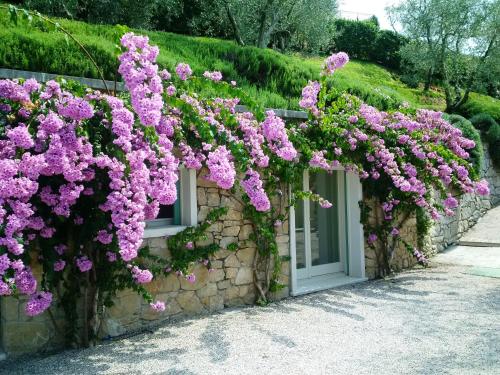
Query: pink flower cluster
x: 310, y: 96
x: 140, y: 73
x: 318, y: 160
x: 252, y: 184
x: 183, y: 71
x: 141, y: 276
x: 214, y: 76
x: 221, y: 167
x: 336, y: 61
x: 274, y: 131
x: 407, y: 150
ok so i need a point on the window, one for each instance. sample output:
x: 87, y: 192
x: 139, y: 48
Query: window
x: 183, y: 213
x: 326, y: 245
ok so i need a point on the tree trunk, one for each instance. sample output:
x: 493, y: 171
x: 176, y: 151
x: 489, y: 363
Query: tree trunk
x: 234, y: 24
x: 261, y: 38
x: 428, y: 80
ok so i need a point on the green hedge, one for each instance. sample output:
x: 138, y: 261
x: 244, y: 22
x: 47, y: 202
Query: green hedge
x: 30, y: 48
x: 365, y: 41
x: 478, y: 103
x: 469, y: 131
x: 482, y: 121
x: 493, y: 139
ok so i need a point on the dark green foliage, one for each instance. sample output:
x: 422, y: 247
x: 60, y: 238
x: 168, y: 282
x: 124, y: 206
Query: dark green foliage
x: 365, y: 41
x: 133, y: 13
x: 493, y: 139
x: 268, y: 76
x: 469, y: 131
x: 355, y: 37
x: 386, y: 49
x: 482, y: 121
x: 480, y: 104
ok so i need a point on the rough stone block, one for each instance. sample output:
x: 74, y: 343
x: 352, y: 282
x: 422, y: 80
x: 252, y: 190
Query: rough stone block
x: 231, y: 231
x: 231, y: 261
x: 231, y: 293
x: 162, y: 284
x: 216, y: 275
x: 209, y: 290
x: 213, y: 200
x: 189, y: 302
x: 221, y: 285
x: 225, y: 241
x: 201, y: 196
x: 231, y: 273
x: 201, y: 273
x: 246, y: 256
x: 244, y: 276
x: 245, y: 232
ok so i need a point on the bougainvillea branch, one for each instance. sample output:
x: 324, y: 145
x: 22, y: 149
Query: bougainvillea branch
x: 81, y: 172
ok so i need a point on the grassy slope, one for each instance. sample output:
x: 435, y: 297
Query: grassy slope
x: 272, y: 78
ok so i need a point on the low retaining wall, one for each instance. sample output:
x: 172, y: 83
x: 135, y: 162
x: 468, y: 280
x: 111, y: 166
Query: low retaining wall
x: 231, y: 281
x: 471, y: 207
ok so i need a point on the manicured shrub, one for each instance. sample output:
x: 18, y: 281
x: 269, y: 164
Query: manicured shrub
x: 355, y: 37
x: 478, y: 103
x: 482, y: 121
x: 470, y: 132
x: 365, y: 41
x: 493, y: 139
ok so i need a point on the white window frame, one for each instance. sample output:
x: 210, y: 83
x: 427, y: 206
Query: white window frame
x: 354, y: 253
x: 188, y: 203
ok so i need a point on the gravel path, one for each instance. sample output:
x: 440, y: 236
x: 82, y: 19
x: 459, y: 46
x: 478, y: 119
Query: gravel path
x: 440, y: 320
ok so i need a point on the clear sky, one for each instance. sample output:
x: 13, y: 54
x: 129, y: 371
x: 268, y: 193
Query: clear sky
x: 363, y: 9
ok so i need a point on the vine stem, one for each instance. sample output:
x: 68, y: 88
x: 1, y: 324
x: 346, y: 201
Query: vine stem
x: 66, y: 32
x: 56, y: 326
x: 395, y: 241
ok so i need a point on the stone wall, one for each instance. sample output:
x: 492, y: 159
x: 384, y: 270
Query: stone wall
x: 401, y: 258
x: 471, y: 207
x: 229, y: 283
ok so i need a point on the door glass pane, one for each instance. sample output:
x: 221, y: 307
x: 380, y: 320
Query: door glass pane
x: 300, y: 241
x: 324, y: 221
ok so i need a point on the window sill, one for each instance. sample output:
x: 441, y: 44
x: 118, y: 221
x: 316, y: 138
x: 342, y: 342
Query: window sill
x: 163, y: 231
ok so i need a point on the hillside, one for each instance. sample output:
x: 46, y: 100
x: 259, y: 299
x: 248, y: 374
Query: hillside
x: 271, y: 78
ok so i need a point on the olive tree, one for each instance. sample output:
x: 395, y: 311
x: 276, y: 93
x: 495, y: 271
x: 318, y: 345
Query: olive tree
x: 281, y: 23
x: 451, y: 39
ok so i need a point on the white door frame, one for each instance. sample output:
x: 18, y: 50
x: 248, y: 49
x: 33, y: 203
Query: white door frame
x: 351, y: 239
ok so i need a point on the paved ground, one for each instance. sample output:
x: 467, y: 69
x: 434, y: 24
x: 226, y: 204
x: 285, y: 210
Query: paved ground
x: 441, y: 320
x: 487, y: 229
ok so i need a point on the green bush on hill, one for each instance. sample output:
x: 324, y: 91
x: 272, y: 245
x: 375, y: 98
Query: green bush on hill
x: 482, y: 121
x: 469, y: 131
x: 270, y: 78
x: 493, y: 139
x: 365, y: 41
x: 478, y: 103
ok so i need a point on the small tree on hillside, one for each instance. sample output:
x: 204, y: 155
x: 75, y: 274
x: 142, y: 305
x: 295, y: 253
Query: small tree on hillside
x: 451, y: 39
x: 283, y: 22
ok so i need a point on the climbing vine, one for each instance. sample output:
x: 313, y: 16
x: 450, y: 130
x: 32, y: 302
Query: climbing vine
x: 82, y: 171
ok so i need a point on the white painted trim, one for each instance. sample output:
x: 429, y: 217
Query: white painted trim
x: 351, y: 240
x: 342, y: 222
x: 163, y: 231
x: 293, y: 242
x: 307, y: 227
x: 334, y: 280
x: 355, y: 229
x: 189, y: 207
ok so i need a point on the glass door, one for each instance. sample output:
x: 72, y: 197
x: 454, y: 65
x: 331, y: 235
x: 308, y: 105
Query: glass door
x: 320, y: 232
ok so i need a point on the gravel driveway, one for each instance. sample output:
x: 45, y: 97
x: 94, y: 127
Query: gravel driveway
x: 441, y: 320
